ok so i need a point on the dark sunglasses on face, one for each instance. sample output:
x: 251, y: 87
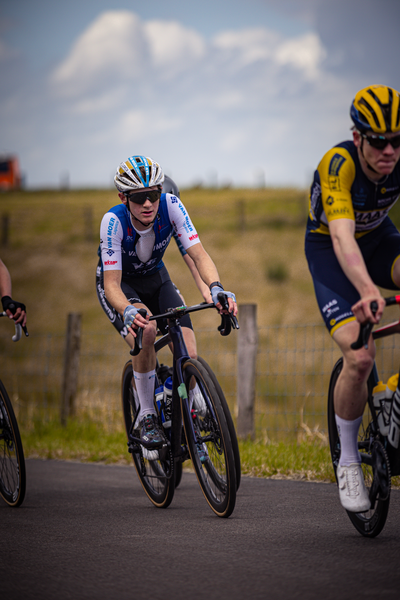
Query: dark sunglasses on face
x: 141, y: 197
x: 380, y: 141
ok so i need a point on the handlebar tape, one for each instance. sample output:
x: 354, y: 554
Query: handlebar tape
x: 139, y: 335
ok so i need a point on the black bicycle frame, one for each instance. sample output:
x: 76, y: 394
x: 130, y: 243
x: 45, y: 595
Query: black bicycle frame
x: 180, y: 356
x: 384, y: 331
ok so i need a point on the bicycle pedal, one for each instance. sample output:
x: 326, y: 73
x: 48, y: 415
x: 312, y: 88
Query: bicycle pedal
x: 133, y: 448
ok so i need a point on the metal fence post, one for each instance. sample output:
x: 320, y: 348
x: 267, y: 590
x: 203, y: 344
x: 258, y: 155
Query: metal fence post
x: 246, y: 371
x: 71, y: 367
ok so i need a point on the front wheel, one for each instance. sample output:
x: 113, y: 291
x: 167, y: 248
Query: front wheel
x: 209, y: 441
x: 12, y: 462
x: 229, y: 420
x: 374, y: 463
x: 156, y: 474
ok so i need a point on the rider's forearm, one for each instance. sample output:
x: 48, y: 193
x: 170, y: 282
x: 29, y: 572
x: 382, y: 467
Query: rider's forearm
x: 204, y: 264
x: 203, y: 288
x: 5, y: 281
x: 113, y: 291
x: 352, y: 262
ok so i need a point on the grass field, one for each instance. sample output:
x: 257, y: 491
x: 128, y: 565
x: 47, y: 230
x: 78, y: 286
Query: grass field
x: 256, y: 238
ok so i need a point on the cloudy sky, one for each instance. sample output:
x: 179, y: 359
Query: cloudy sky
x: 219, y: 91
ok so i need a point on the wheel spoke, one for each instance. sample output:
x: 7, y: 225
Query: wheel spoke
x: 12, y: 464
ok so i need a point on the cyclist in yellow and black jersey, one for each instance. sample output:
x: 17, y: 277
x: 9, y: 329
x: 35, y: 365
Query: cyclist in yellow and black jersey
x: 352, y: 247
x: 341, y: 189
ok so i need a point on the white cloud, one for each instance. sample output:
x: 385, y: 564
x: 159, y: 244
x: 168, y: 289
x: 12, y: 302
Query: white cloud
x: 174, y: 46
x: 142, y: 124
x: 248, y: 45
x: 305, y: 52
x: 114, y: 47
x: 160, y: 88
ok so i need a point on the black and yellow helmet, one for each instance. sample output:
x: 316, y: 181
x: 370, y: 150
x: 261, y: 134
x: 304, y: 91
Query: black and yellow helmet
x: 376, y: 108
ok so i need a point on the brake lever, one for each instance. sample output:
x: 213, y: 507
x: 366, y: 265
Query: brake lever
x: 227, y: 320
x: 139, y: 335
x: 365, y: 331
x: 18, y: 327
x: 225, y: 327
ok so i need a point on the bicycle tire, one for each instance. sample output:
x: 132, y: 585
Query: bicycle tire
x: 156, y: 476
x: 12, y: 461
x: 178, y: 472
x: 216, y: 474
x: 370, y: 523
x: 229, y: 420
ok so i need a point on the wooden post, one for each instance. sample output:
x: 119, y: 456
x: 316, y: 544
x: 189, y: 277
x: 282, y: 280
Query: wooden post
x: 71, y: 367
x: 246, y: 371
x: 5, y: 226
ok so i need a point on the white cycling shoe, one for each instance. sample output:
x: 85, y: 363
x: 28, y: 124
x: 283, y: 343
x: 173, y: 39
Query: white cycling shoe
x: 352, y: 491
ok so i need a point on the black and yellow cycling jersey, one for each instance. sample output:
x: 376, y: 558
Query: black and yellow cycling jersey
x: 341, y: 189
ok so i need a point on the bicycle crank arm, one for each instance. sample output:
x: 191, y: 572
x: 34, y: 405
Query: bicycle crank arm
x: 147, y: 445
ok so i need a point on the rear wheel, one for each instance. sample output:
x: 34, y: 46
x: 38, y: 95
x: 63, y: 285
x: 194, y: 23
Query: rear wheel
x: 229, y: 420
x: 12, y: 462
x: 155, y: 469
x: 374, y: 463
x: 209, y: 442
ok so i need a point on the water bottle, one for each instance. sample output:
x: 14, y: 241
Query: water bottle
x: 167, y: 402
x: 379, y: 394
x: 384, y: 417
x: 394, y: 427
x: 159, y: 396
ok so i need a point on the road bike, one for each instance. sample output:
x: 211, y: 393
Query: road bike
x: 205, y: 436
x: 12, y: 461
x: 380, y: 459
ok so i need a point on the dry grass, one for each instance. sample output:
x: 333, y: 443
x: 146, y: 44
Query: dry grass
x: 246, y: 232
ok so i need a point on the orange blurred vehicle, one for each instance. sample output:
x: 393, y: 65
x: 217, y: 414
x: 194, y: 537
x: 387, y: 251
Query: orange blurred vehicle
x: 10, y: 177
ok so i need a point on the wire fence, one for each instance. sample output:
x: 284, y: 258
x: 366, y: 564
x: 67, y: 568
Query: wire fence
x: 292, y: 376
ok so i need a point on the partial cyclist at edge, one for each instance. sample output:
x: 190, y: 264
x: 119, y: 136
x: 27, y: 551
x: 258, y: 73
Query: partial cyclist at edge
x: 131, y: 275
x: 352, y: 247
x: 15, y: 310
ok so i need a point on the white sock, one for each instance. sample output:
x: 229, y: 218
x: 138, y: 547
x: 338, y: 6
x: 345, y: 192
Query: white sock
x: 191, y: 394
x: 144, y: 383
x: 348, y: 434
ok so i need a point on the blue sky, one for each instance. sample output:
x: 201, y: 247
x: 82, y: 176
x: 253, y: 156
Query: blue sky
x: 220, y: 91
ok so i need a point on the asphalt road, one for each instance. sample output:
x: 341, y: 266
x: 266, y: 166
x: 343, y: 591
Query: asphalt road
x: 89, y: 531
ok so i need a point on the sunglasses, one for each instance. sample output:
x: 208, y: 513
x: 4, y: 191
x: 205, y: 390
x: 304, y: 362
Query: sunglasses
x: 380, y: 141
x: 141, y: 197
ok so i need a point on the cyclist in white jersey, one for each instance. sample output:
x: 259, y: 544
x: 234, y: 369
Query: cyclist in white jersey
x: 170, y: 187
x: 131, y: 274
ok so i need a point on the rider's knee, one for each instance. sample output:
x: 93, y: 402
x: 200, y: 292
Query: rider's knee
x: 192, y: 352
x: 361, y: 363
x: 190, y: 341
x: 149, y: 335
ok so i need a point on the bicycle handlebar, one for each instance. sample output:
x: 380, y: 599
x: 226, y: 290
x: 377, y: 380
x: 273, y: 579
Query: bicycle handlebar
x: 228, y: 321
x: 18, y: 329
x: 366, y: 328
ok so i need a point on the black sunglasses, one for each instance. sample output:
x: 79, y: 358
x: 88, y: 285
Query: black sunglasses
x: 141, y: 197
x: 380, y: 141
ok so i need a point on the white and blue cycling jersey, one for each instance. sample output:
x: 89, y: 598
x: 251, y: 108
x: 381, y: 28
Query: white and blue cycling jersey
x: 118, y: 237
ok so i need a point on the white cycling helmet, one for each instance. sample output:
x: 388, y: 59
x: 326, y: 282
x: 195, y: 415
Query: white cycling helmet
x: 138, y: 172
